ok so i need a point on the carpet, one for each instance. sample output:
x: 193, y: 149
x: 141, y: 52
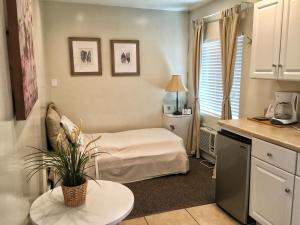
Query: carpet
x: 173, y: 192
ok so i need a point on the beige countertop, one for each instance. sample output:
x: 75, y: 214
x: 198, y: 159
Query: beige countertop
x: 284, y: 136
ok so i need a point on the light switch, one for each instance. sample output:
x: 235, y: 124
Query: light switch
x: 54, y: 83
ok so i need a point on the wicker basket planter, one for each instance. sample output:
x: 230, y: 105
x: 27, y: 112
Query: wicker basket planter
x: 74, y: 196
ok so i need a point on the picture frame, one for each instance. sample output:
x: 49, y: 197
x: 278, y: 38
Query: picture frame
x: 169, y: 109
x: 187, y: 111
x: 125, y: 57
x: 85, y: 56
x: 21, y: 56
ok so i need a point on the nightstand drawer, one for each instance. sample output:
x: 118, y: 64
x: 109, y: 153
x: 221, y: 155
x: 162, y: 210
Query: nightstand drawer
x: 275, y: 155
x: 178, y: 124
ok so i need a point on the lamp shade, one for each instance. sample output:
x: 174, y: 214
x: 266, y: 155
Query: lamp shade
x: 176, y: 84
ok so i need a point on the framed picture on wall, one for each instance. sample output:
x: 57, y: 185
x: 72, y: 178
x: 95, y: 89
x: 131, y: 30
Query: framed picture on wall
x: 125, y: 57
x: 85, y: 56
x: 21, y: 57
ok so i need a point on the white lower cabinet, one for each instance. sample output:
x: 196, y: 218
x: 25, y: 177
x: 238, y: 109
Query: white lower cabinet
x: 298, y: 166
x: 271, y: 194
x: 296, y: 205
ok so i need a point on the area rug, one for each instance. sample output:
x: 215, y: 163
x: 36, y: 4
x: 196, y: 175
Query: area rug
x: 173, y: 192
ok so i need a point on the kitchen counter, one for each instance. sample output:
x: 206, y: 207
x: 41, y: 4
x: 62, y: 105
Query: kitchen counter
x: 287, y: 137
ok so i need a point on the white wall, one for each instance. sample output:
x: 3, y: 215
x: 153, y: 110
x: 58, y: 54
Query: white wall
x: 15, y: 192
x: 107, y: 103
x: 256, y: 95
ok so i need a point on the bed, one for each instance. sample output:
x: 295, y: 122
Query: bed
x: 139, y: 154
x: 130, y: 156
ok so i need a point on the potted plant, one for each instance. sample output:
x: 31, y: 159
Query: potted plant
x: 70, y: 163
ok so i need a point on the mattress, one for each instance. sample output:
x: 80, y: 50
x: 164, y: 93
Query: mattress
x: 139, y: 154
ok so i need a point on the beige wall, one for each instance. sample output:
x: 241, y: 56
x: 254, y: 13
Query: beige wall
x: 15, y: 193
x: 107, y: 103
x: 255, y: 94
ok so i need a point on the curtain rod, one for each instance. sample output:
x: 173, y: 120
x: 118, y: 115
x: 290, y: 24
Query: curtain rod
x: 218, y: 13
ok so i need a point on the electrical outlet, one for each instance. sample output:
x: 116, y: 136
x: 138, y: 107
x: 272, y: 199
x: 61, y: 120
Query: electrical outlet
x: 54, y: 83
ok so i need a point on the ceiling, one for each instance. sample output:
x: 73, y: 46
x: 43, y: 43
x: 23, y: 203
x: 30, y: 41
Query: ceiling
x: 172, y: 5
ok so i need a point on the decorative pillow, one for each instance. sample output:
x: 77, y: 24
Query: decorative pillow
x: 69, y: 127
x: 54, y: 107
x: 54, y: 128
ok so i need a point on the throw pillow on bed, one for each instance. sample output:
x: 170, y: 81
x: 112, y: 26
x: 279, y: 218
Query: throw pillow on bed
x: 54, y: 128
x: 69, y: 126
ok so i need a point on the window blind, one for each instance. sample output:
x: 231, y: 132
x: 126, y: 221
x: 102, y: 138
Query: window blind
x: 211, y: 90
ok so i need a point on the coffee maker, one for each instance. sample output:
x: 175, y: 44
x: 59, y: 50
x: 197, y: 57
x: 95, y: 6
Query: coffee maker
x: 285, y: 109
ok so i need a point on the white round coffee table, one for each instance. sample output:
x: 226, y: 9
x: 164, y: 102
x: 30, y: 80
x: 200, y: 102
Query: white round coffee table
x: 107, y: 204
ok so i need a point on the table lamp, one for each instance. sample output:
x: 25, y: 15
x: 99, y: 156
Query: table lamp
x: 176, y: 85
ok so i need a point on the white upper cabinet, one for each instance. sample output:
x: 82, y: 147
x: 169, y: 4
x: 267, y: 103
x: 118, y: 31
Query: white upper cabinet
x: 266, y: 36
x: 289, y: 66
x: 276, y: 34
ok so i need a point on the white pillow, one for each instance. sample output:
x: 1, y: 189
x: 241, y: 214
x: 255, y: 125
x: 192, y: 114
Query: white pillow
x: 69, y: 126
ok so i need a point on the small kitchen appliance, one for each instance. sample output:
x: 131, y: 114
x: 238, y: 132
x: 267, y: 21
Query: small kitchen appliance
x: 285, y: 109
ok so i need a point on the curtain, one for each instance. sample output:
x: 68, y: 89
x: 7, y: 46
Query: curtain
x: 229, y: 26
x: 193, y: 137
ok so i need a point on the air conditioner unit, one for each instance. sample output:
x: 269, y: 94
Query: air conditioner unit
x: 208, y: 143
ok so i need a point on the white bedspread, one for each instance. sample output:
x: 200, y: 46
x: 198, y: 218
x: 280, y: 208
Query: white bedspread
x: 140, y: 154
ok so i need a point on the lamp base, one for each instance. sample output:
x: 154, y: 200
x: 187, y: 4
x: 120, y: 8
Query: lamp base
x: 177, y: 113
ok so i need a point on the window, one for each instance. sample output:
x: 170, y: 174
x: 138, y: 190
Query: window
x: 211, y: 91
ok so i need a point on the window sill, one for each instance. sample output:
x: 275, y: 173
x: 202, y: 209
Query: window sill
x: 203, y: 114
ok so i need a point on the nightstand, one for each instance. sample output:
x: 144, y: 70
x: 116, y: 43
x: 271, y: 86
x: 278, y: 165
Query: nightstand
x: 178, y: 124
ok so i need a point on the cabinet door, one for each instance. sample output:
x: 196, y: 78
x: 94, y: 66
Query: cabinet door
x: 266, y: 39
x: 296, y: 205
x: 298, y: 165
x: 271, y: 194
x: 289, y: 68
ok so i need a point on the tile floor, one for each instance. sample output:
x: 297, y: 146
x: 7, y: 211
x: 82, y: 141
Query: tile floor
x: 209, y: 214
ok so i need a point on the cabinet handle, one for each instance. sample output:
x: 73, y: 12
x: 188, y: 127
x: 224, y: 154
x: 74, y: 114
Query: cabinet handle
x: 269, y: 154
x: 287, y: 190
x: 172, y: 127
x: 274, y: 65
x: 280, y: 65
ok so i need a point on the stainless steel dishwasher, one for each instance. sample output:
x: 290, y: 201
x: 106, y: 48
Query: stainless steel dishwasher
x: 233, y: 175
